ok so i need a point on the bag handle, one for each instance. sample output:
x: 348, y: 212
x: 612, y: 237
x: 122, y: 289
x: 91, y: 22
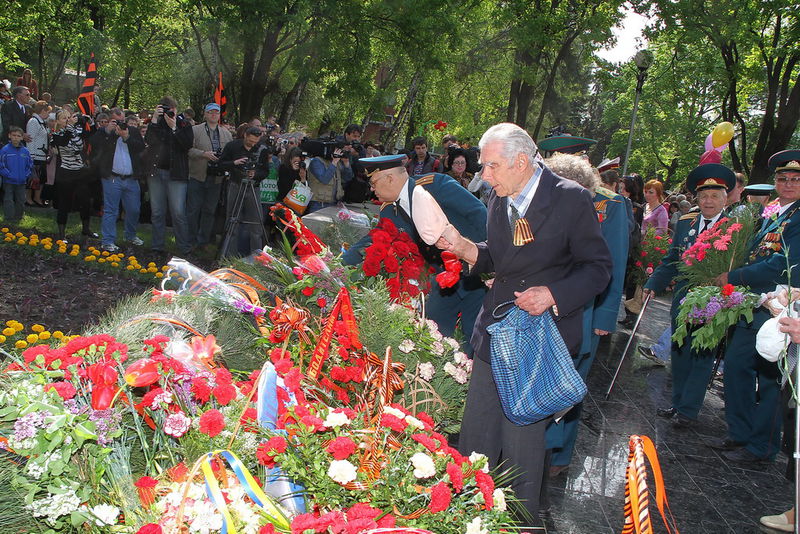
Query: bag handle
x: 506, y: 303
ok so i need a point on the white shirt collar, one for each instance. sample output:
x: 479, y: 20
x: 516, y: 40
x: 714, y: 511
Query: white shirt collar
x: 523, y: 201
x: 405, y: 197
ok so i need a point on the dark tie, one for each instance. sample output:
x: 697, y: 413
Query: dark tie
x: 706, y: 224
x: 398, y: 209
x: 514, y: 216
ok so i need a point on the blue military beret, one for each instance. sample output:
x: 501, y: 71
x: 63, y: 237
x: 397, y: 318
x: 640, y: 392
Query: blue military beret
x: 710, y: 175
x: 785, y: 160
x: 382, y: 163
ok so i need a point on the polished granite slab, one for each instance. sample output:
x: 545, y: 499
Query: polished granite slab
x: 706, y: 493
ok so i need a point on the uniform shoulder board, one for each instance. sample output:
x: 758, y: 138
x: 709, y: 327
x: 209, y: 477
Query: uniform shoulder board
x: 606, y: 193
x: 385, y: 204
x: 689, y: 216
x: 601, y: 204
x: 425, y: 180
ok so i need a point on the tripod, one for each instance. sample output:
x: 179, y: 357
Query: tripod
x: 246, y: 189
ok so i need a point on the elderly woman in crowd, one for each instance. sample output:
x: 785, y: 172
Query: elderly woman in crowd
x: 72, y: 178
x: 38, y: 146
x: 655, y: 214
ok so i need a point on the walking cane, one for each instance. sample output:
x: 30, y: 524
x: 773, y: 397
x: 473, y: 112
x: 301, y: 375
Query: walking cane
x: 720, y: 354
x: 630, y: 341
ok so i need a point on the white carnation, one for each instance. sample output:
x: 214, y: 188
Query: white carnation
x: 413, y: 421
x: 105, y: 514
x: 426, y: 371
x: 205, y: 523
x: 406, y: 346
x: 452, y: 343
x: 336, y: 419
x: 460, y: 358
x: 461, y: 376
x: 476, y: 527
x: 437, y: 348
x: 477, y: 457
x: 499, y: 500
x: 394, y: 411
x: 423, y: 465
x: 342, y: 471
x: 450, y: 369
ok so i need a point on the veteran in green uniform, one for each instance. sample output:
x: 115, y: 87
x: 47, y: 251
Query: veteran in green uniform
x: 752, y: 389
x: 691, y: 370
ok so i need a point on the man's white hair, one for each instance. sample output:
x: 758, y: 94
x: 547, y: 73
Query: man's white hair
x: 514, y: 139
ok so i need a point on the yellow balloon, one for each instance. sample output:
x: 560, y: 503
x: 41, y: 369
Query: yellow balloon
x: 722, y: 134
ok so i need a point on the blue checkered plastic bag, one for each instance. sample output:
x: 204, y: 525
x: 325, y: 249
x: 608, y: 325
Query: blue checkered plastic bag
x: 532, y: 367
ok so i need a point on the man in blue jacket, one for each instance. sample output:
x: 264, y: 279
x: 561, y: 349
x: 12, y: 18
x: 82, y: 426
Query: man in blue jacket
x: 395, y: 188
x: 752, y: 388
x: 16, y: 165
x: 691, y: 370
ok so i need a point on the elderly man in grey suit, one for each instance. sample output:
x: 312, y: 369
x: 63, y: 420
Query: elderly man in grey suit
x: 547, y: 255
x: 205, y: 179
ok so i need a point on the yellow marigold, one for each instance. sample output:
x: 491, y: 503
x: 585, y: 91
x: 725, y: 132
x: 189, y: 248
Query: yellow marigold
x: 89, y: 258
x: 114, y: 264
x: 132, y: 257
x: 130, y: 267
x: 106, y: 253
x: 143, y: 271
x: 164, y: 268
x: 44, y: 336
x: 19, y: 327
x: 21, y: 344
x: 152, y: 269
x: 101, y: 260
x: 33, y: 243
x: 2, y: 339
x: 4, y: 229
x: 32, y: 338
x: 20, y: 241
x: 19, y: 234
x: 151, y: 264
x: 9, y: 331
x: 58, y: 334
x: 48, y: 247
x: 73, y: 253
x: 159, y: 275
x: 34, y: 236
x: 37, y: 328
x: 8, y: 239
x: 10, y: 322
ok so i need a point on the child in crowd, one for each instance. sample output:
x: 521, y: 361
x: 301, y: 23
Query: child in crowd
x: 16, y: 165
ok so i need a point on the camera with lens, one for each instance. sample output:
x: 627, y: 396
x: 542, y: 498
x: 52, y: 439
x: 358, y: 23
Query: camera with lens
x: 323, y: 147
x: 213, y: 168
x: 122, y: 125
x: 357, y: 146
x: 168, y: 111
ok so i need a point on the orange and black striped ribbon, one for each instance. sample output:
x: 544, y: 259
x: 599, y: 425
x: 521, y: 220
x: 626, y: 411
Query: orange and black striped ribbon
x: 219, y: 96
x: 637, y: 494
x: 86, y: 98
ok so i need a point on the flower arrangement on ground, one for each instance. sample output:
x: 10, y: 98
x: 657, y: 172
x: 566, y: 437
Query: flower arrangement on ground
x: 708, y: 311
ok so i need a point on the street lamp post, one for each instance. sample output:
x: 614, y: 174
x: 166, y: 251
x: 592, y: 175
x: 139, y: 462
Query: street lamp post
x: 643, y: 60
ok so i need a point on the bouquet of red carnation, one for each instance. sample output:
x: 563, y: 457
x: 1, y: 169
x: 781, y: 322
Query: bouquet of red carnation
x: 718, y: 250
x: 652, y: 250
x: 395, y: 256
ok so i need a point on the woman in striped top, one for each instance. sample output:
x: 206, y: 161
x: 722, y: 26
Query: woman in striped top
x: 72, y: 178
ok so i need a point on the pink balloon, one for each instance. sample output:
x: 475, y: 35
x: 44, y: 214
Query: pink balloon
x: 709, y: 144
x: 721, y: 148
x: 710, y: 156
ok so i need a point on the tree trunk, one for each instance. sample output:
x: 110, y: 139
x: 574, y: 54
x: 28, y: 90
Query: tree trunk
x: 551, y: 80
x: 291, y: 101
x: 389, y: 137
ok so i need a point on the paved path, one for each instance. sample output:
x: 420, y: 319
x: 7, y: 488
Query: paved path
x: 706, y: 493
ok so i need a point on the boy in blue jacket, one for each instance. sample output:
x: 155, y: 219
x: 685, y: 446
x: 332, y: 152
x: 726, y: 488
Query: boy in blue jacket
x: 16, y: 166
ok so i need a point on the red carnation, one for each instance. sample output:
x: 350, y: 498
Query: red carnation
x: 267, y: 529
x: 223, y: 376
x: 341, y: 448
x: 64, y: 389
x: 426, y: 441
x: 212, y: 422
x: 728, y: 289
x: 456, y: 476
x: 150, y: 528
x: 391, y: 264
x: 440, y: 498
x: 390, y: 421
x: 486, y: 485
x: 201, y: 389
x: 322, y: 302
x: 248, y: 418
x: 371, y: 267
x: 308, y: 291
x: 426, y: 419
x: 224, y: 393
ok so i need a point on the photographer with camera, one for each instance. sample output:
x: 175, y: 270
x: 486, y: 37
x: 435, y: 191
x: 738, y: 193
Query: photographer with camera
x: 247, y: 161
x: 205, y: 175
x: 328, y: 175
x: 292, y: 168
x: 117, y: 155
x: 169, y: 138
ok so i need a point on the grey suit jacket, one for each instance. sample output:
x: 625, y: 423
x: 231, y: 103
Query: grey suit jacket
x: 198, y: 165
